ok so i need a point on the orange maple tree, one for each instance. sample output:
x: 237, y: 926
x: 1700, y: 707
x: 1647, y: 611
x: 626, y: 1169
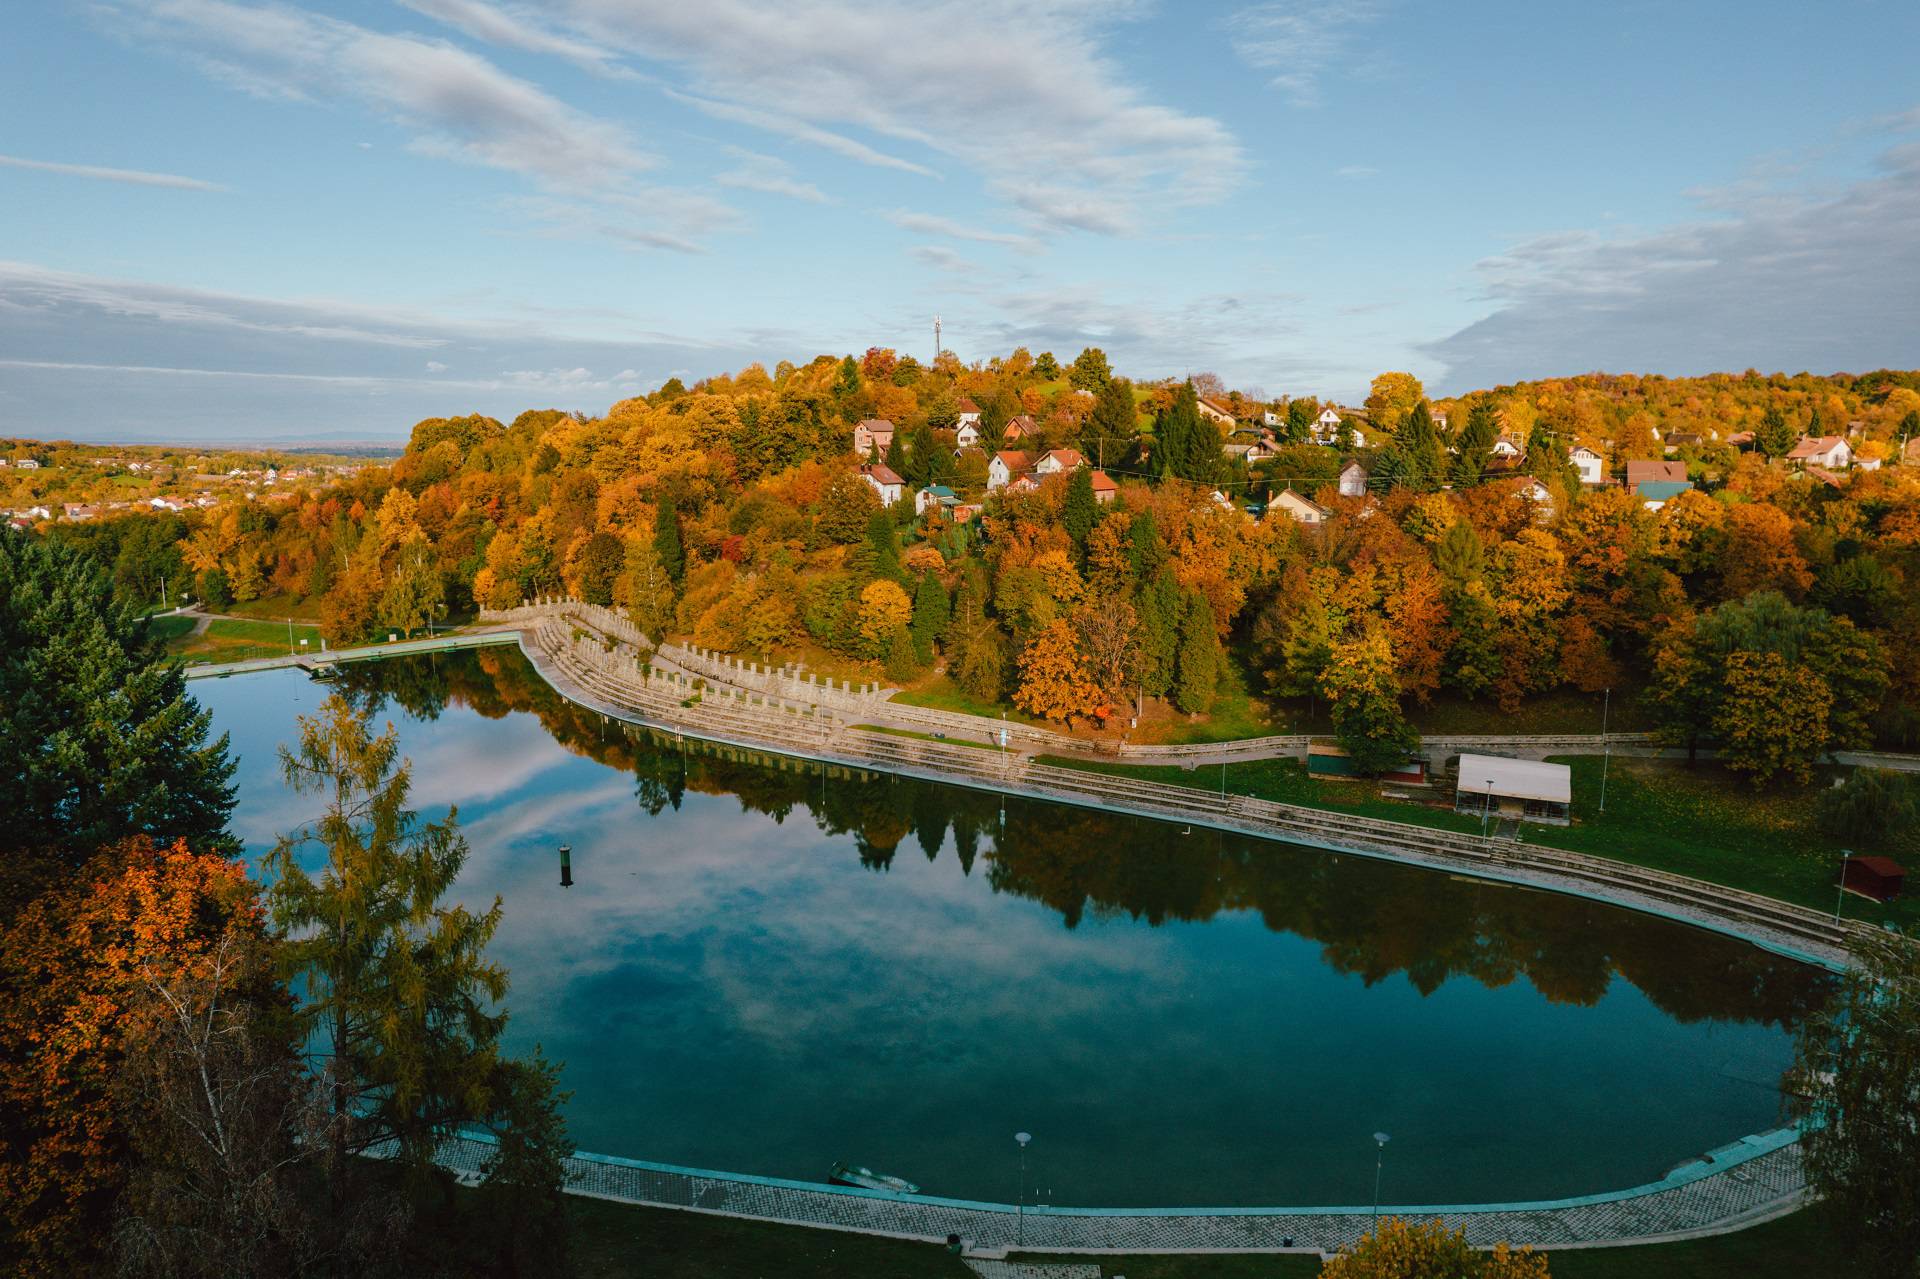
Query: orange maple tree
x: 72, y: 963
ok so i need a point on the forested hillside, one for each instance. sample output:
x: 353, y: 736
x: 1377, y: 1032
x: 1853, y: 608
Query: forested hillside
x: 1089, y: 546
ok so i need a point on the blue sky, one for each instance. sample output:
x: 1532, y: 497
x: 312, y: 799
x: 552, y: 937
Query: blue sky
x: 227, y: 218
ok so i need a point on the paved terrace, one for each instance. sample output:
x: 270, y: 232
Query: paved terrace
x: 1738, y: 1184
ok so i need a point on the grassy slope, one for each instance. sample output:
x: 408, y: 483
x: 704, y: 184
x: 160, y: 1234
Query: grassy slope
x: 620, y: 1240
x: 1699, y: 821
x: 229, y: 640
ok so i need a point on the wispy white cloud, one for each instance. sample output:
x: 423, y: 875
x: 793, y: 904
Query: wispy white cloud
x: 1051, y: 122
x: 1356, y: 171
x: 800, y: 131
x: 513, y: 27
x: 135, y: 177
x: 934, y: 224
x: 456, y: 104
x: 1299, y: 41
x: 1791, y: 281
x: 770, y: 174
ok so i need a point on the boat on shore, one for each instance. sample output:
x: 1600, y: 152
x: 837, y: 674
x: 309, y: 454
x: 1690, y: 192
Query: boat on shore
x: 846, y: 1174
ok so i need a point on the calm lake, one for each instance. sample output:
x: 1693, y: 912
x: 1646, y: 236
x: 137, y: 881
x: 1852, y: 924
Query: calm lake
x: 763, y: 969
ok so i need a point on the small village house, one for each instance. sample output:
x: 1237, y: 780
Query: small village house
x: 875, y: 433
x: 1019, y: 427
x: 936, y: 496
x: 1591, y: 465
x: 1830, y: 452
x: 1216, y: 411
x: 1353, y: 480
x: 1104, y: 489
x: 1301, y: 509
x: 1057, y: 461
x: 1006, y: 466
x: 886, y: 483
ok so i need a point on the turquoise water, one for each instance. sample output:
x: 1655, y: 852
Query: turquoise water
x: 764, y: 969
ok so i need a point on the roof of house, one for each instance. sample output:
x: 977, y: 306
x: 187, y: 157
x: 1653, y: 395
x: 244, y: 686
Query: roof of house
x: 1578, y: 449
x: 1021, y: 422
x: 1103, y: 483
x: 1814, y: 446
x: 880, y: 472
x: 877, y: 425
x: 1216, y: 405
x: 939, y: 490
x: 1661, y: 490
x: 1353, y: 466
x: 1069, y: 458
x: 1640, y: 471
x: 967, y: 405
x: 1515, y: 778
x: 1299, y: 500
x: 1014, y: 459
x: 1825, y: 476
x: 1740, y: 437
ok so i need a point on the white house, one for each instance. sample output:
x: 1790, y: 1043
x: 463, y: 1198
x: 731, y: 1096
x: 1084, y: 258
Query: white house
x: 1494, y: 786
x: 1508, y: 446
x: 1054, y: 461
x: 1215, y: 411
x: 888, y: 485
x: 1269, y: 418
x: 1592, y: 466
x: 28, y: 464
x: 1831, y: 452
x: 934, y: 495
x: 1326, y: 427
x: 1353, y: 480
x: 969, y: 414
x: 166, y: 504
x: 969, y: 433
x: 1305, y: 510
x: 1006, y: 464
x: 874, y: 433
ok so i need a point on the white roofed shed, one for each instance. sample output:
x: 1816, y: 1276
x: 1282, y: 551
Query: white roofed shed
x: 1527, y: 789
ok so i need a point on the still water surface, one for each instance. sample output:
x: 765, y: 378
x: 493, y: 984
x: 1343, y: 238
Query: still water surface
x: 764, y: 970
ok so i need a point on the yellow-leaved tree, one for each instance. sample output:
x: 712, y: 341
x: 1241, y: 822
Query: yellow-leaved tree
x: 1053, y: 675
x: 1399, y: 1249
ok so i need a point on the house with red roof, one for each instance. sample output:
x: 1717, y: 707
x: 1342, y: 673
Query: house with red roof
x: 886, y: 483
x: 1829, y: 452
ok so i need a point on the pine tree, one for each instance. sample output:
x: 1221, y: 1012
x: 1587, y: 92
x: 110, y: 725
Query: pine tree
x: 1198, y: 667
x: 666, y: 541
x: 930, y: 616
x: 1108, y: 436
x: 919, y: 472
x: 1159, y: 612
x: 1146, y: 549
x: 395, y: 985
x: 897, y: 455
x: 901, y: 666
x: 1418, y: 444
x: 1775, y: 437
x: 100, y: 739
x: 884, y: 544
x: 1081, y: 512
x: 1476, y: 444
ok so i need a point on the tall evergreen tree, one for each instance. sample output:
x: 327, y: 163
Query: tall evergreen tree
x: 1146, y: 549
x: 1081, y: 512
x: 930, y: 616
x: 1300, y: 420
x: 100, y: 739
x: 919, y: 472
x: 1775, y: 437
x: 883, y: 541
x: 1475, y: 444
x: 397, y: 992
x: 1108, y: 436
x: 1198, y: 665
x: 897, y: 455
x: 1158, y: 611
x: 666, y: 541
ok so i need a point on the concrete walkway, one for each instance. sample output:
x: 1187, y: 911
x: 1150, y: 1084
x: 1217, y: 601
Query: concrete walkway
x: 1737, y: 1185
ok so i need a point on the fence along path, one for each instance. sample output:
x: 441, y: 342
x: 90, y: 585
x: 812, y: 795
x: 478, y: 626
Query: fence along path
x: 611, y: 675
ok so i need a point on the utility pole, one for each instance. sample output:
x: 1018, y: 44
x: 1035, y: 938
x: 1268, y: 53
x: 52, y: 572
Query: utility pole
x: 936, y: 340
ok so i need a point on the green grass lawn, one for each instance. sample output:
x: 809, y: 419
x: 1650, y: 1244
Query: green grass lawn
x: 172, y: 629
x: 231, y: 640
x: 1561, y: 711
x: 620, y: 1240
x: 276, y: 607
x: 1284, y: 781
x: 1706, y: 822
x: 942, y: 694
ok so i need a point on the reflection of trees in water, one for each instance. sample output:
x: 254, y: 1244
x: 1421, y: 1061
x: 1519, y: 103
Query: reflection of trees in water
x: 1373, y: 919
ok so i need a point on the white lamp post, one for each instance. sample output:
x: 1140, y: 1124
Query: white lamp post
x: 1379, y: 1159
x: 1020, y: 1193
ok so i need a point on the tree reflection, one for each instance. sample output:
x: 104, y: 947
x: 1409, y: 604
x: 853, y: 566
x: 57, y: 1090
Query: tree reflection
x: 1372, y: 919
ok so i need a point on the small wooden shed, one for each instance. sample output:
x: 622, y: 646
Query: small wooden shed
x: 1877, y: 877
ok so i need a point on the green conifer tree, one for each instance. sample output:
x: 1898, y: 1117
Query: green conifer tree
x: 666, y: 541
x: 1081, y: 512
x: 1198, y: 671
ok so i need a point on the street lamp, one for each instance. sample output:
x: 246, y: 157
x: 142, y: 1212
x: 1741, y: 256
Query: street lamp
x: 1606, y: 748
x: 1379, y: 1158
x: 1840, y: 897
x: 1020, y: 1192
x: 1486, y: 809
